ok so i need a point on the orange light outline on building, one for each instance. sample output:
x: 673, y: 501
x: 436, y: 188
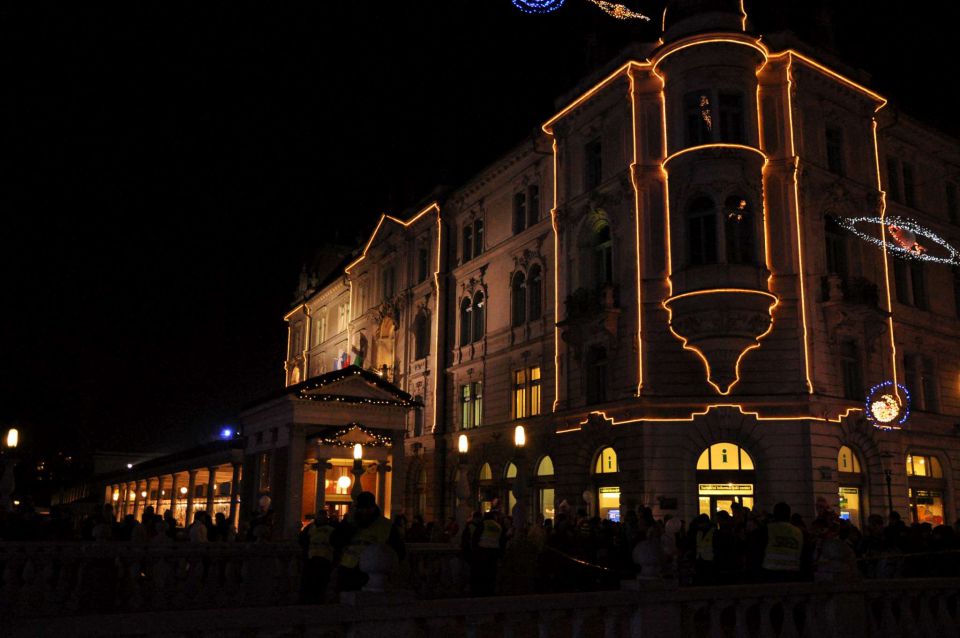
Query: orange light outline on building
x: 599, y: 86
x: 686, y: 345
x: 556, y: 280
x: 886, y: 261
x: 706, y: 410
x: 436, y: 319
x: 698, y: 40
x: 712, y: 145
x: 743, y: 19
x: 636, y: 208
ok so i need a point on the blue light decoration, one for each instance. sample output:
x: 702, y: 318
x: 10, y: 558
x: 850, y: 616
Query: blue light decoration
x: 226, y: 433
x: 884, y: 410
x: 538, y: 6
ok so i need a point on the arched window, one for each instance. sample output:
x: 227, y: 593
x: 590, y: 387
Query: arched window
x: 606, y: 462
x: 519, y: 298
x: 602, y: 254
x: 701, y: 232
x: 545, y: 467
x: 847, y: 460
x: 421, y: 336
x: 486, y: 474
x: 465, y: 321
x: 535, y: 291
x: 511, y: 471
x: 738, y: 227
x: 725, y: 456
x: 478, y: 316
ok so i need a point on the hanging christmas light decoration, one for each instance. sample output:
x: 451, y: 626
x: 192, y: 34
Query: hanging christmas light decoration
x: 908, y: 239
x: 618, y: 11
x: 538, y: 6
x: 885, y: 409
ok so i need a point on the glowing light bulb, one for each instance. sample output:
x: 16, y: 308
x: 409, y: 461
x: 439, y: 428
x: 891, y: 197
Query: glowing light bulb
x: 462, y: 444
x: 519, y: 436
x: 357, y: 452
x: 13, y: 437
x: 344, y: 482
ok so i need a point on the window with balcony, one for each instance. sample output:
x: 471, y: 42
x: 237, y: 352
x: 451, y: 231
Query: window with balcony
x: 701, y: 232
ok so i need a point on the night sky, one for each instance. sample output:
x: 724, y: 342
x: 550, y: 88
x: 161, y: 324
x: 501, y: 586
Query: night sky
x: 168, y: 167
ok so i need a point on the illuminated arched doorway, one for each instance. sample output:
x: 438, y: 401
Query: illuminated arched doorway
x: 606, y: 474
x: 725, y: 475
x: 546, y: 491
x: 851, y: 485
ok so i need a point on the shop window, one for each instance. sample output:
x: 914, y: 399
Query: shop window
x: 606, y: 462
x: 738, y: 228
x: 535, y: 292
x: 849, y: 492
x: 547, y: 498
x: 701, y: 232
x: 926, y: 506
x: 478, y: 317
x: 518, y: 287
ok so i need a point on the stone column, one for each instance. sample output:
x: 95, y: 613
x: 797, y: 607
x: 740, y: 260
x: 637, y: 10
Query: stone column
x: 191, y: 488
x: 157, y: 508
x: 173, y: 495
x: 235, y: 494
x: 137, y: 499
x: 211, y: 481
x: 321, y: 496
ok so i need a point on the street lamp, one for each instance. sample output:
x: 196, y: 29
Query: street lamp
x: 357, y: 471
x: 519, y: 482
x: 12, y: 440
x: 886, y: 459
x: 464, y: 508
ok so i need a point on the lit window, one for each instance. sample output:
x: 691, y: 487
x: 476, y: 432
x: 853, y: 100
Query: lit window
x: 926, y: 466
x: 724, y: 456
x: 526, y: 392
x: 486, y: 474
x: 606, y: 462
x: 511, y: 471
x: 471, y: 405
x: 545, y: 468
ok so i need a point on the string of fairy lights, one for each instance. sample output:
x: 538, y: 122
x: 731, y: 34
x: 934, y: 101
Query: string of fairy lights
x: 338, y: 438
x: 612, y: 9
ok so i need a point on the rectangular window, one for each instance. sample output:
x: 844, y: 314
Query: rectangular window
x: 423, y: 264
x: 851, y: 369
x: 893, y: 179
x: 467, y: 245
x: 389, y: 283
x: 918, y: 285
x: 520, y: 397
x: 928, y: 382
x: 471, y: 405
x: 731, y: 118
x: 953, y: 203
x: 343, y: 317
x: 263, y: 472
x: 699, y: 116
x: 477, y: 237
x: 533, y: 205
x: 909, y: 189
x: 834, y: 142
x: 519, y: 213
x: 592, y: 165
x: 526, y: 392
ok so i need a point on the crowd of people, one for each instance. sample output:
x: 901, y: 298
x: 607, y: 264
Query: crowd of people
x: 571, y: 552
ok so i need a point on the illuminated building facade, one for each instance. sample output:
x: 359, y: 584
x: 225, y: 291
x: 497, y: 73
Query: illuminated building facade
x: 661, y: 290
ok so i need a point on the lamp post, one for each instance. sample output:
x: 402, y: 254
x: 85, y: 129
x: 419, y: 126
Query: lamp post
x: 888, y: 475
x: 7, y: 485
x: 357, y: 471
x: 519, y: 483
x: 464, y: 508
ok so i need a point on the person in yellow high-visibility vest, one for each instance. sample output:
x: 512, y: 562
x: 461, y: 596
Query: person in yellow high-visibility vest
x: 316, y: 573
x: 781, y: 559
x: 367, y: 527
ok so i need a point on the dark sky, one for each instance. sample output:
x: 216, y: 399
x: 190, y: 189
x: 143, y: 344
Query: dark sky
x: 168, y: 166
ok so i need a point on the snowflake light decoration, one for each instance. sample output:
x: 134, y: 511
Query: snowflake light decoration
x: 538, y: 6
x: 884, y: 409
x: 908, y: 239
